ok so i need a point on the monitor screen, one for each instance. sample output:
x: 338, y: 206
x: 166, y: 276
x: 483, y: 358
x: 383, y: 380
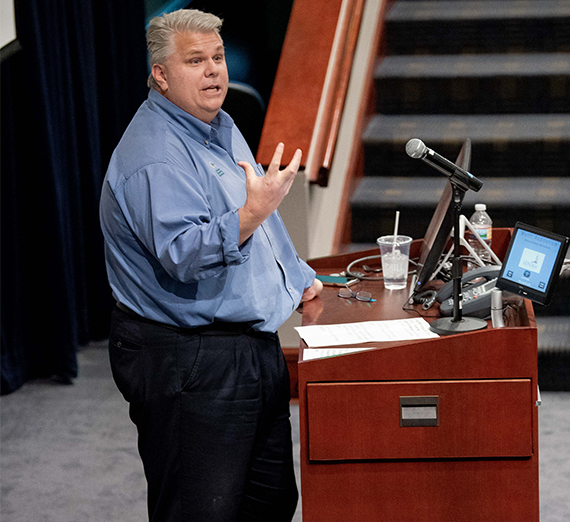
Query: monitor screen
x: 440, y: 226
x: 532, y: 263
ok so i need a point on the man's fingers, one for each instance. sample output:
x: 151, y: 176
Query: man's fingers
x: 296, y: 161
x: 277, y: 155
x: 293, y: 166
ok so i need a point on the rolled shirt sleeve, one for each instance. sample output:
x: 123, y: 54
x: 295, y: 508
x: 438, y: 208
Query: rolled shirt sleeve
x: 308, y: 273
x: 171, y: 215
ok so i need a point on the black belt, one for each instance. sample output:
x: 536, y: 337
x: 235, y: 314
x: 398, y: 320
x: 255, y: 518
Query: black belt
x: 217, y: 327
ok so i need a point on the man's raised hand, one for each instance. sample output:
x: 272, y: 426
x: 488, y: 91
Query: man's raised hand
x: 265, y: 193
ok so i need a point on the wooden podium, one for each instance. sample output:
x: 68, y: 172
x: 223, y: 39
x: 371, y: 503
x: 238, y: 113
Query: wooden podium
x: 435, y: 430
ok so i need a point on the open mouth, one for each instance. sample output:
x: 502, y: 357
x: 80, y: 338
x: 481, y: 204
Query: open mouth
x: 212, y: 89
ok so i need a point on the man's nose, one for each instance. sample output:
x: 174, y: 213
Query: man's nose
x: 211, y: 68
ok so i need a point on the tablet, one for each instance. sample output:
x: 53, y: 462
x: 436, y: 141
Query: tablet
x: 533, y: 262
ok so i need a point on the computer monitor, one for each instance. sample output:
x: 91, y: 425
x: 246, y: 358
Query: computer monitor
x: 532, y: 264
x: 437, y: 234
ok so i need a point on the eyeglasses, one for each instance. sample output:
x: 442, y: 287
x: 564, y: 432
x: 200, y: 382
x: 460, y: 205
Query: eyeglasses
x: 360, y: 296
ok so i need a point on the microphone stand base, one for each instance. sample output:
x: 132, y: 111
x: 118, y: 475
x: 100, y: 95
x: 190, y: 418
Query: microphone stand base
x: 447, y: 326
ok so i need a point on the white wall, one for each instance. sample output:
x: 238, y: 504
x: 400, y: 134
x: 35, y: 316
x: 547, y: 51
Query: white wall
x: 7, y: 22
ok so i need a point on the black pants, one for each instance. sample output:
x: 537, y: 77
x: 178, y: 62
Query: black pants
x: 212, y: 411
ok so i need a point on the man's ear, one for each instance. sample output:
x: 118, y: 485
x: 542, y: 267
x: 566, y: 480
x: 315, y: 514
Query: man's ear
x: 159, y: 74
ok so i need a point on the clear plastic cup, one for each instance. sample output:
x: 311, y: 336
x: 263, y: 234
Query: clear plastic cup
x: 395, y: 260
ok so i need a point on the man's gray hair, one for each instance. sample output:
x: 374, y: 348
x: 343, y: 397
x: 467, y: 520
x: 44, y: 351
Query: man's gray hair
x: 161, y: 31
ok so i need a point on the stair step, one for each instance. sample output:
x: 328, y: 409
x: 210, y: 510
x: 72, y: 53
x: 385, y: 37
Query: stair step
x: 553, y: 333
x: 543, y: 202
x: 558, y: 306
x: 451, y: 27
x: 553, y: 353
x: 503, y: 145
x: 474, y: 84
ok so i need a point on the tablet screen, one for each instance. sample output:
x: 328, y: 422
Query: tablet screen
x: 532, y: 264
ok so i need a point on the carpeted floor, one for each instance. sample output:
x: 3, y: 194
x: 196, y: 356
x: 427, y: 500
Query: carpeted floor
x: 68, y: 453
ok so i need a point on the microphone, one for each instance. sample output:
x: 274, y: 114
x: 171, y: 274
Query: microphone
x: 416, y: 149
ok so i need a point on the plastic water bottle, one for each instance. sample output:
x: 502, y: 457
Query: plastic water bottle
x: 483, y: 225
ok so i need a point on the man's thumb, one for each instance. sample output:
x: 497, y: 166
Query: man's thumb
x: 247, y: 168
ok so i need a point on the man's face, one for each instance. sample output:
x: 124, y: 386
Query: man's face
x: 195, y: 76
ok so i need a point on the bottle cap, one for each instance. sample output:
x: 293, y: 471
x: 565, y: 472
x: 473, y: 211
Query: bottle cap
x: 480, y: 206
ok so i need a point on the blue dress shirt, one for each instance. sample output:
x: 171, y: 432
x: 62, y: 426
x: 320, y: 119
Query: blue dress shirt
x: 169, y: 214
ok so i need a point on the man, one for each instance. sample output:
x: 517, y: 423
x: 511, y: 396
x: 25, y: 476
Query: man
x: 204, y: 273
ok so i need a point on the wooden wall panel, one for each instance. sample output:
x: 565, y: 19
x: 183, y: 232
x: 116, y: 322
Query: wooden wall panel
x: 292, y: 110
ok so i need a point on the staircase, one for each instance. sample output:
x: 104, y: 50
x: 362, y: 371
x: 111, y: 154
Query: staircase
x: 496, y: 72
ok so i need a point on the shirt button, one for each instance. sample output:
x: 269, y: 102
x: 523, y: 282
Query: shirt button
x: 206, y: 142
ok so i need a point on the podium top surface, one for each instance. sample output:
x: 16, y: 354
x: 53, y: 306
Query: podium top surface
x: 330, y: 309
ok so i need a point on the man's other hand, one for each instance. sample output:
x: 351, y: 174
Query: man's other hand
x: 313, y: 291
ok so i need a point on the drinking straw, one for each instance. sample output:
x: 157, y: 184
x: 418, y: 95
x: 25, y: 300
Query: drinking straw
x: 395, y: 231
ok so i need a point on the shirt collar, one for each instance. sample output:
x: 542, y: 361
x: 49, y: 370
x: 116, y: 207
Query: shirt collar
x: 219, y: 130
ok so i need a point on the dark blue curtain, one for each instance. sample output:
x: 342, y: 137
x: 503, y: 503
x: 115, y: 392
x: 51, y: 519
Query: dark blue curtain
x: 67, y: 97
